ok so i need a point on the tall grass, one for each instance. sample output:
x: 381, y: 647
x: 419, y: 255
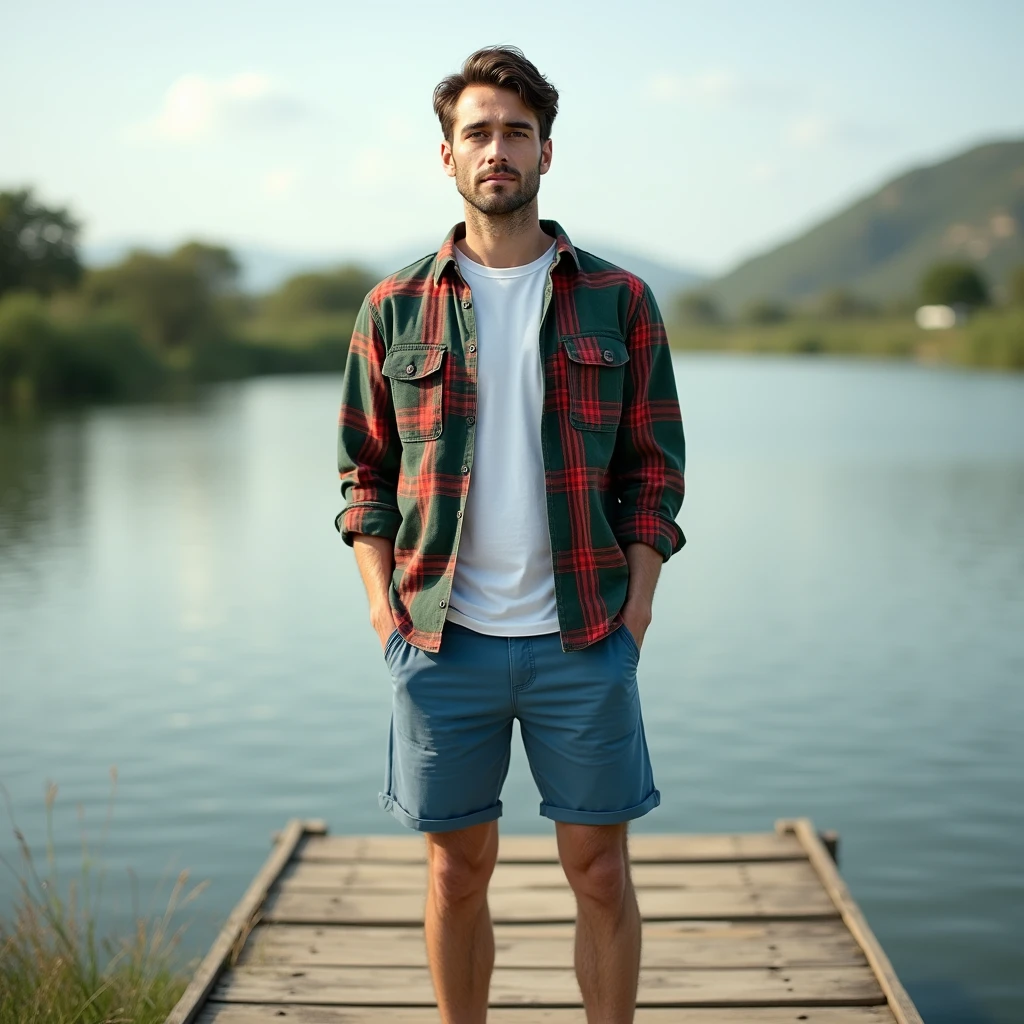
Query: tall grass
x: 54, y: 966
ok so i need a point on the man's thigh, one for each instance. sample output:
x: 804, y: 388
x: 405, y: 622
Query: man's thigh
x: 451, y: 730
x: 583, y: 732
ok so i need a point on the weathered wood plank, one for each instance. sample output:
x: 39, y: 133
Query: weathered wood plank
x: 532, y: 849
x: 234, y: 930
x: 539, y: 905
x: 411, y: 986
x: 290, y: 1013
x: 899, y: 1001
x: 300, y: 876
x: 665, y: 944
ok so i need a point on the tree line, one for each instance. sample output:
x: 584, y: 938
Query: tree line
x: 947, y: 283
x: 153, y: 322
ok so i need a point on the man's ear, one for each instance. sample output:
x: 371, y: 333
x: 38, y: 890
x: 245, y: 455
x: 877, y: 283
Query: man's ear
x: 545, y: 157
x: 447, y: 158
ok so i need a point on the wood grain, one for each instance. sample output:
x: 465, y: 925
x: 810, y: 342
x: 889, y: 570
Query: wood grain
x: 311, y: 876
x: 411, y: 986
x: 291, y: 1013
x: 667, y: 848
x: 665, y: 944
x: 535, y: 905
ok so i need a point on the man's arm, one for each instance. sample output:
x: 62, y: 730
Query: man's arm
x: 375, y: 557
x: 648, y: 463
x: 369, y: 457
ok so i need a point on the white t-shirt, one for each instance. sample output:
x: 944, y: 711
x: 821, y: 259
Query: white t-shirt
x: 504, y: 584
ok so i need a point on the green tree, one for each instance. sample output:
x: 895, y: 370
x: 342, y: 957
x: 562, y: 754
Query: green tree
x: 697, y: 307
x: 38, y: 245
x: 951, y: 284
x: 1016, y: 286
x: 764, y: 311
x: 169, y: 299
x: 216, y: 265
x: 316, y: 294
x: 840, y: 304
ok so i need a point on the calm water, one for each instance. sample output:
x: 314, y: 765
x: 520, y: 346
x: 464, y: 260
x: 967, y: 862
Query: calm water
x: 843, y: 637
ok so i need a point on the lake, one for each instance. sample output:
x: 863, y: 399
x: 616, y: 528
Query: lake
x: 842, y: 637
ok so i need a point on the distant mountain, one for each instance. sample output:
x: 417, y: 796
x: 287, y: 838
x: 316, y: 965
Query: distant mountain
x: 970, y: 207
x: 264, y: 269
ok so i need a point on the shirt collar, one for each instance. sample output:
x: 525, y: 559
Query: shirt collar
x: 446, y: 254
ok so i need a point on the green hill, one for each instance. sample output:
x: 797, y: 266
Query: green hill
x: 970, y: 207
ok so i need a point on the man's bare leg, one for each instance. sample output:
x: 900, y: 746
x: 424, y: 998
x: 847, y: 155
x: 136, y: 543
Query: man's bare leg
x: 459, y: 934
x: 595, y: 859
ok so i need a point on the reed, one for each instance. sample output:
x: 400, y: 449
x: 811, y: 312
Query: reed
x: 56, y: 968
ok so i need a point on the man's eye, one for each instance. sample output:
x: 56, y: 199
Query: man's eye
x: 523, y: 134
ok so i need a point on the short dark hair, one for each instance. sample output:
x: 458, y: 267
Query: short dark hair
x: 504, y: 67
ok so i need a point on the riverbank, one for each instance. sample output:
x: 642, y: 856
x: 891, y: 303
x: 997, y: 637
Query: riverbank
x: 991, y: 340
x: 55, y: 968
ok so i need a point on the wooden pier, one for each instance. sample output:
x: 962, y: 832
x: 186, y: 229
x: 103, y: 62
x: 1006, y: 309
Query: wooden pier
x: 738, y: 929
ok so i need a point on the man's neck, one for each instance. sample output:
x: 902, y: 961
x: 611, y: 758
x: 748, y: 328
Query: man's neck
x: 511, y: 240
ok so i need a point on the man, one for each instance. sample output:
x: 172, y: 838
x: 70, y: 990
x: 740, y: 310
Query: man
x: 511, y: 451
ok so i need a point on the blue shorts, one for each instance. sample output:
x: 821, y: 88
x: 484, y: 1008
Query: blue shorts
x: 451, y: 729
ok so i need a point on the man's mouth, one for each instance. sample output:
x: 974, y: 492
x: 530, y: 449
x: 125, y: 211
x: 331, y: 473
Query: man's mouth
x: 500, y: 177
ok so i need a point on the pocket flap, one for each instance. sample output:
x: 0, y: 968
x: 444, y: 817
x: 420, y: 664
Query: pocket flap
x: 596, y: 349
x: 413, y: 362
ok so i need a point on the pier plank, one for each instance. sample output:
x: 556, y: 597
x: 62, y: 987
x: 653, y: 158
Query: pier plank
x: 405, y: 986
x: 533, y: 849
x: 738, y: 929
x: 291, y: 1013
x: 301, y: 876
x: 665, y: 944
x: 536, y: 905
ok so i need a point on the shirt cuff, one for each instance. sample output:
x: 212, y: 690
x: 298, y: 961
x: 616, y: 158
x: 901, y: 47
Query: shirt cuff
x: 368, y: 517
x: 652, y: 528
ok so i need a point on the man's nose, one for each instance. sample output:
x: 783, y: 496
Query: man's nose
x: 496, y: 149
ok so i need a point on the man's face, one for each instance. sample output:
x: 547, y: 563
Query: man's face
x: 495, y: 156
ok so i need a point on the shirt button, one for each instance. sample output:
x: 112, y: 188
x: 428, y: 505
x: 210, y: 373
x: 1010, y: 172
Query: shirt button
x: 471, y: 420
x: 608, y: 357
x: 466, y: 304
x: 458, y: 515
x: 472, y: 348
x: 441, y: 604
x: 465, y: 470
x: 411, y: 368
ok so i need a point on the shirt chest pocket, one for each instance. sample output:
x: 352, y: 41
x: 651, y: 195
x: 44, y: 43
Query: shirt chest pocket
x: 417, y: 389
x: 596, y: 375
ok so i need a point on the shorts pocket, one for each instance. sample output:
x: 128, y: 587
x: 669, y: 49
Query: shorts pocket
x: 630, y: 640
x: 389, y: 644
x: 417, y: 389
x: 596, y: 375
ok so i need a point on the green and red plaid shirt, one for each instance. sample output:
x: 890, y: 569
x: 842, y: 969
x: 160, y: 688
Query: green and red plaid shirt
x: 611, y: 434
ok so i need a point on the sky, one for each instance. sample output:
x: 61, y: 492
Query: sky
x: 696, y: 134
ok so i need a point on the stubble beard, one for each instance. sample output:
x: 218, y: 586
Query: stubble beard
x: 504, y: 200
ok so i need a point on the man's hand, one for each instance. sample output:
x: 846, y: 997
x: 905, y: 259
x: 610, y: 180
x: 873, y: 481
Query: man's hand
x: 383, y: 621
x: 375, y: 557
x: 644, y: 566
x: 636, y: 617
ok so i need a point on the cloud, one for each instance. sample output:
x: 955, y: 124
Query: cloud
x: 279, y: 183
x: 197, y: 107
x: 811, y: 131
x: 713, y: 87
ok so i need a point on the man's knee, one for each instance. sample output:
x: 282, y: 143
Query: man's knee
x: 461, y: 863
x: 595, y: 861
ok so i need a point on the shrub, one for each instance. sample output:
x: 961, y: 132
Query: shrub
x: 53, y: 967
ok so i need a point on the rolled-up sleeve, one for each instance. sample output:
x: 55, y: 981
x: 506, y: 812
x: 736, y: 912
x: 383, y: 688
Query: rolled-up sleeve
x: 649, y: 461
x: 369, y: 449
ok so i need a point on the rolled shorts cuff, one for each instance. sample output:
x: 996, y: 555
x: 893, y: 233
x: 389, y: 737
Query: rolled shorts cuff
x: 400, y: 814
x: 571, y: 817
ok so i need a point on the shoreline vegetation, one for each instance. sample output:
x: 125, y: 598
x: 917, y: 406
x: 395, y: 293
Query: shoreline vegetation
x: 54, y: 966
x: 161, y: 325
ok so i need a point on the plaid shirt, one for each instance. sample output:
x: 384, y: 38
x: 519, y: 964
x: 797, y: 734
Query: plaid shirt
x: 611, y: 434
